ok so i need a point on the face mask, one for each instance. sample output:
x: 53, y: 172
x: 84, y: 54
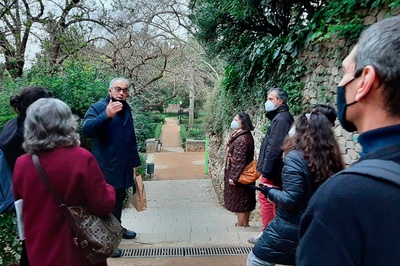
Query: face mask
x: 234, y: 125
x: 342, y: 107
x: 292, y: 131
x: 116, y: 100
x: 269, y: 106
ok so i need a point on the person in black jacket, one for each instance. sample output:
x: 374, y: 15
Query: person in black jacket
x: 353, y: 219
x: 311, y: 155
x: 12, y: 135
x: 270, y: 156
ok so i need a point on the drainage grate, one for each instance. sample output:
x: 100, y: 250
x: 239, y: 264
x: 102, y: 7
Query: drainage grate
x: 184, y: 252
x: 208, y: 251
x: 153, y: 252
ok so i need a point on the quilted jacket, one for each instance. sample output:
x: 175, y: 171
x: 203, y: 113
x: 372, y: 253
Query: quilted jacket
x: 280, y: 239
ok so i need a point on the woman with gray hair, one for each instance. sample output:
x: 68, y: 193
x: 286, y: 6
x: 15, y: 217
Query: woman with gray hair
x: 50, y: 132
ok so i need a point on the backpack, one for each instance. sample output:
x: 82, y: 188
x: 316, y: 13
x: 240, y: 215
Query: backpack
x: 6, y: 193
x: 387, y: 171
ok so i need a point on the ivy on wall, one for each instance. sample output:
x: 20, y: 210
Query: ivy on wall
x: 257, y: 60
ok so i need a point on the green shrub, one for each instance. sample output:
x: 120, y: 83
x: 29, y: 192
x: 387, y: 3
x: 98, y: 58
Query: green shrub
x: 144, y: 129
x: 157, y: 131
x: 196, y: 133
x: 159, y: 118
x: 10, y: 245
x: 142, y: 168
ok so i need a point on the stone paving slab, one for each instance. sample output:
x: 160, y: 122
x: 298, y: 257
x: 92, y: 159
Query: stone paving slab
x: 184, y: 213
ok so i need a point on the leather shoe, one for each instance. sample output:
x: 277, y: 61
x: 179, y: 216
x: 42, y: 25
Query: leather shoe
x: 117, y: 253
x: 128, y: 234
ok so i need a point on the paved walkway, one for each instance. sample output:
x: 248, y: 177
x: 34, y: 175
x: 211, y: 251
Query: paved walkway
x: 182, y: 213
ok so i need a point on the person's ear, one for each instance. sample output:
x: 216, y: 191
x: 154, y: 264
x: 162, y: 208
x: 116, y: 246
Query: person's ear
x: 369, y: 82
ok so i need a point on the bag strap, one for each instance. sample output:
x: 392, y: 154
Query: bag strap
x: 46, y: 180
x: 385, y: 170
x: 61, y: 205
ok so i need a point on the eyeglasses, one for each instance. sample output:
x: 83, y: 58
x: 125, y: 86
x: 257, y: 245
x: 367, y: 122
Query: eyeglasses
x: 119, y: 89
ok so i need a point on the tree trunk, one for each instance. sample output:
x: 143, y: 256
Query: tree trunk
x: 14, y: 66
x: 191, y: 101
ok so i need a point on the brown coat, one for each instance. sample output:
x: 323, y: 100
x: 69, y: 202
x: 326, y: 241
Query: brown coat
x: 239, y: 198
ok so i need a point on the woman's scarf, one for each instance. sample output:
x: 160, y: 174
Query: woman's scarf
x: 232, y: 138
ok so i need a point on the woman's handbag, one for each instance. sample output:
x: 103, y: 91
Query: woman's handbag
x: 98, y: 238
x: 138, y: 199
x: 249, y: 174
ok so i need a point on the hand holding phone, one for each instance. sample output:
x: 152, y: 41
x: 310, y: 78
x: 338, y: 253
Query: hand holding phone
x: 261, y: 185
x: 264, y: 188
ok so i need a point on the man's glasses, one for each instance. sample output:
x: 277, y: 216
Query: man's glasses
x: 119, y: 89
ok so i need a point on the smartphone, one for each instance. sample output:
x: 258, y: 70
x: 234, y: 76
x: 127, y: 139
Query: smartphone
x: 266, y: 185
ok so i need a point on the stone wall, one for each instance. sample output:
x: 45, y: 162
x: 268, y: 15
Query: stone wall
x: 321, y: 80
x: 193, y: 145
x: 153, y: 145
x: 323, y: 76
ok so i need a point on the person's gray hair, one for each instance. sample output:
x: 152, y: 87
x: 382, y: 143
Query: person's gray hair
x: 280, y: 94
x: 379, y: 47
x: 49, y: 123
x: 117, y: 79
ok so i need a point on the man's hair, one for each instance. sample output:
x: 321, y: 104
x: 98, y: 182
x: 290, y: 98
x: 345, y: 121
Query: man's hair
x: 379, y: 47
x: 280, y: 94
x: 117, y: 79
x: 49, y: 123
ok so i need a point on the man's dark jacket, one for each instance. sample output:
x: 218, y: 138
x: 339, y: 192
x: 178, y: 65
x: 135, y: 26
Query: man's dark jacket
x: 353, y: 219
x: 270, y: 158
x: 113, y: 143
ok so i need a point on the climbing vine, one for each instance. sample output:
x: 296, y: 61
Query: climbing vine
x: 259, y: 59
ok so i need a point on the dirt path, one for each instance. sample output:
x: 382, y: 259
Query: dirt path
x: 172, y: 163
x: 171, y: 133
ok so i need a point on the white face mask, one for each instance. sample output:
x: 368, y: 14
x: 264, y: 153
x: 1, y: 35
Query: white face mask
x: 269, y: 106
x: 292, y: 131
x: 234, y: 125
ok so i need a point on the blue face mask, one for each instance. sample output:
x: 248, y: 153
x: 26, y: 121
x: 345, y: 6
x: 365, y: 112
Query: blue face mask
x: 269, y: 106
x: 234, y: 125
x: 342, y: 108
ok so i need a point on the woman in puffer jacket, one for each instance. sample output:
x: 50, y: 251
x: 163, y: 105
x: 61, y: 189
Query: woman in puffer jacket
x: 311, y: 156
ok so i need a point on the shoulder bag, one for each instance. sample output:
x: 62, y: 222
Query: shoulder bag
x: 97, y: 237
x: 249, y: 174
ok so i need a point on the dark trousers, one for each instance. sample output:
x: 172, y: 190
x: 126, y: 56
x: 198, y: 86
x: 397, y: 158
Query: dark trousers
x: 120, y: 195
